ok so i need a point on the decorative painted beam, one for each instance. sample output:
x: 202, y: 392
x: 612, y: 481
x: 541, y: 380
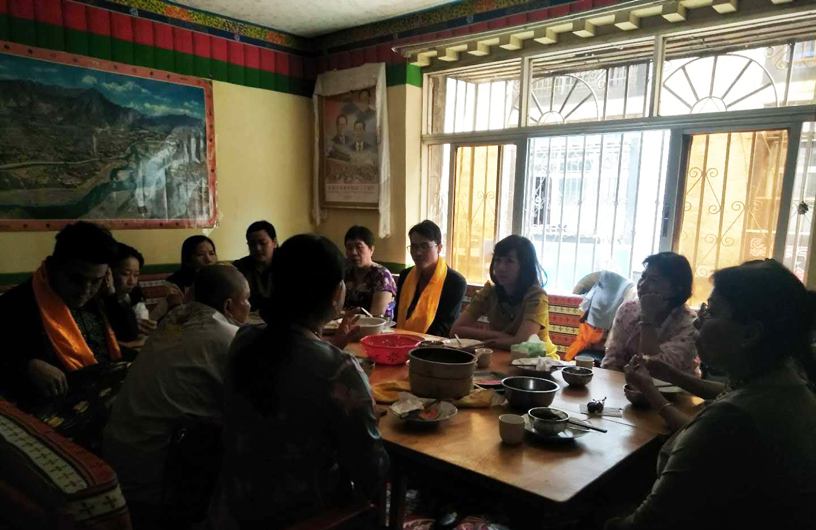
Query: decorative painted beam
x: 674, y: 12
x: 481, y: 48
x: 515, y: 41
x: 627, y: 21
x: 584, y: 29
x: 725, y: 6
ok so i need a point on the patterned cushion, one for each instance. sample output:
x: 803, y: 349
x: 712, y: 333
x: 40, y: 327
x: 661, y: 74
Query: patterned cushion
x: 62, y: 480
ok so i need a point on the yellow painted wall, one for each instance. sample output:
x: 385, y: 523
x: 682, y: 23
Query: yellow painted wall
x: 404, y: 115
x: 263, y: 160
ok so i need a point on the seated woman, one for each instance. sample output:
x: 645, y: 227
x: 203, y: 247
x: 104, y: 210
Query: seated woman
x: 513, y: 300
x: 429, y: 295
x: 755, y: 442
x: 368, y: 285
x: 658, y: 324
x: 300, y: 433
x: 127, y: 299
x: 196, y: 252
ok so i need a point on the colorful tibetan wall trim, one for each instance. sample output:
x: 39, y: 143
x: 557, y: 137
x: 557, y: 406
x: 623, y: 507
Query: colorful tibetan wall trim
x: 86, y: 30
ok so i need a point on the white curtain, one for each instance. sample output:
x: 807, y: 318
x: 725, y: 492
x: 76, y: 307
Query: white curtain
x: 340, y: 82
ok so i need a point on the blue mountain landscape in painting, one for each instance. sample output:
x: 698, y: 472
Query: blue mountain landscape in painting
x: 77, y: 142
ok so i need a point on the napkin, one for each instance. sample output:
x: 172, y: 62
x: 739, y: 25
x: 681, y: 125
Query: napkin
x: 615, y: 412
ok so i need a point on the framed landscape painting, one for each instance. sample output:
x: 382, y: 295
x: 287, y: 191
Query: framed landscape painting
x: 82, y: 138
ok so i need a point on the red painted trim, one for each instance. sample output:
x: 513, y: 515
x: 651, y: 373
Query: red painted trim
x: 219, y: 49
x: 22, y: 9
x: 236, y: 53
x: 357, y: 57
x: 122, y: 27
x: 252, y: 57
x: 74, y: 16
x: 183, y: 40
x: 282, y: 60
x: 296, y: 66
x: 99, y: 22
x: 517, y: 20
x: 540, y: 14
x: 143, y: 32
x: 4, y: 7
x: 202, y: 47
x: 267, y: 60
x: 370, y: 54
x: 163, y: 36
x: 309, y: 68
x: 47, y: 11
x: 136, y: 71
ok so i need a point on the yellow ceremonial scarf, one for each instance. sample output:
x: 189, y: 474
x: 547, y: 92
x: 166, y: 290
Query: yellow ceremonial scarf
x: 425, y: 310
x: 62, y: 330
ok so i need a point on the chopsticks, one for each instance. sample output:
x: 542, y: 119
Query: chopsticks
x: 586, y: 424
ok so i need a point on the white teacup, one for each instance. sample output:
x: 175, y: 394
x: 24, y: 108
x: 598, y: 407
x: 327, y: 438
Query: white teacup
x: 483, y: 357
x: 511, y: 428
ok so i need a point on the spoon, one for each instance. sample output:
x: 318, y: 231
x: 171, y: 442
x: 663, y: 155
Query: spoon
x: 363, y: 309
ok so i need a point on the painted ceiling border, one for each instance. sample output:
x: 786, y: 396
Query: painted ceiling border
x: 206, y: 22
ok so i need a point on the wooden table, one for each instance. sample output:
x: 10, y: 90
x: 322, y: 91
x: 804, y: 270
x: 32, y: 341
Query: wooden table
x: 469, y: 446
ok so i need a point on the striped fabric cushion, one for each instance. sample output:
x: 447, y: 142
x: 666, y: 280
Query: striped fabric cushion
x: 55, y: 476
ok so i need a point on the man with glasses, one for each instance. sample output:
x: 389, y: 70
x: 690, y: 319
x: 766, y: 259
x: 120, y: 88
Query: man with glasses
x: 429, y: 295
x: 54, y: 323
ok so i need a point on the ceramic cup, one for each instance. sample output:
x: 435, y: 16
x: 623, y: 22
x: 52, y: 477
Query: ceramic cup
x: 585, y: 361
x: 483, y: 357
x: 511, y: 428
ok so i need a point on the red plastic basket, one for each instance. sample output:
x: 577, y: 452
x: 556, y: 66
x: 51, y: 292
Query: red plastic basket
x: 390, y: 348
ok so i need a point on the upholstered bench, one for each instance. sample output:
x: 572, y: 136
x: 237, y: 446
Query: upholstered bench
x: 50, y: 482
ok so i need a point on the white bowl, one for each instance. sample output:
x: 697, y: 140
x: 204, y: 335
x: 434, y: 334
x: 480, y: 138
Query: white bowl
x: 371, y: 325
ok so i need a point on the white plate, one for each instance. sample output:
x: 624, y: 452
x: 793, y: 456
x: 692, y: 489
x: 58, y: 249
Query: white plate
x: 569, y: 434
x: 460, y: 343
x: 447, y: 410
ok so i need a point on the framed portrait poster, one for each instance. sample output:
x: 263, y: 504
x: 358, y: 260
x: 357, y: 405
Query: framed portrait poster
x: 82, y: 138
x: 349, y: 150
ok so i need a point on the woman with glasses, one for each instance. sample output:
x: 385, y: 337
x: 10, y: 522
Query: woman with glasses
x: 429, y: 295
x: 368, y: 284
x: 747, y: 460
x: 513, y: 301
x: 658, y: 324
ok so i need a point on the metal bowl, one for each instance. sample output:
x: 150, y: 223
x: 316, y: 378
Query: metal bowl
x: 547, y: 420
x: 528, y: 392
x: 576, y: 375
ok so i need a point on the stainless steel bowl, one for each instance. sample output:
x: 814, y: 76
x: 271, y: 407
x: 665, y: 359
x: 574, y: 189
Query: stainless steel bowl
x: 528, y: 392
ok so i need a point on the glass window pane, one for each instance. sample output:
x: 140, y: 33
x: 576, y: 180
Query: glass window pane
x: 800, y: 216
x: 593, y: 202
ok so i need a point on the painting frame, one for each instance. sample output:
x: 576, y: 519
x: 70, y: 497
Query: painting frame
x: 326, y: 128
x: 126, y: 70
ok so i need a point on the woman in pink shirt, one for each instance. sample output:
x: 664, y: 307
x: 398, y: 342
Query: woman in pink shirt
x: 658, y: 324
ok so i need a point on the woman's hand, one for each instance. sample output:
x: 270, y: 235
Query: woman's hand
x: 174, y: 296
x: 652, y: 305
x: 347, y: 331
x: 637, y: 375
x: 661, y: 370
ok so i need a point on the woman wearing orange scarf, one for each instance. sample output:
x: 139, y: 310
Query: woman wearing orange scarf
x: 429, y: 295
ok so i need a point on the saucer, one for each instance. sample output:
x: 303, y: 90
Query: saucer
x: 570, y: 434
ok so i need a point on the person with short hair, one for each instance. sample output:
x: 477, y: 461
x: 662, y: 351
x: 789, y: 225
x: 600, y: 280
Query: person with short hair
x: 180, y: 371
x: 658, y: 324
x: 54, y: 322
x: 262, y: 241
x: 368, y: 284
x: 300, y: 432
x: 747, y: 460
x: 429, y: 295
x: 514, y: 300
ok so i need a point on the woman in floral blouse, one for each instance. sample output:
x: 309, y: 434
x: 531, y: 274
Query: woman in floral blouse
x: 658, y: 324
x: 368, y: 285
x: 300, y: 433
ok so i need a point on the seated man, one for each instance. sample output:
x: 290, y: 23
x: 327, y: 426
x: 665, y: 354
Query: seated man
x: 262, y: 242
x: 179, y: 372
x: 54, y: 322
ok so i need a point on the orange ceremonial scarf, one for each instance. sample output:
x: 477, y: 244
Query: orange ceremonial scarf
x: 62, y: 329
x: 425, y: 310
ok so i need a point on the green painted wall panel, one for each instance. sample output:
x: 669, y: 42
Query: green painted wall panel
x: 122, y: 51
x: 252, y: 77
x: 218, y: 70
x: 48, y: 36
x: 184, y: 63
x: 164, y: 59
x: 23, y: 31
x: 100, y: 46
x: 235, y: 74
x: 4, y: 27
x: 267, y: 80
x: 144, y: 55
x: 201, y: 67
x: 76, y: 42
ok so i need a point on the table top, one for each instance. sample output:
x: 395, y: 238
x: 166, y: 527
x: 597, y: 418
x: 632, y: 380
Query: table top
x: 470, y: 440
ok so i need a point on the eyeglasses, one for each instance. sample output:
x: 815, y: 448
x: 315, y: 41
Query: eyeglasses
x: 425, y: 246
